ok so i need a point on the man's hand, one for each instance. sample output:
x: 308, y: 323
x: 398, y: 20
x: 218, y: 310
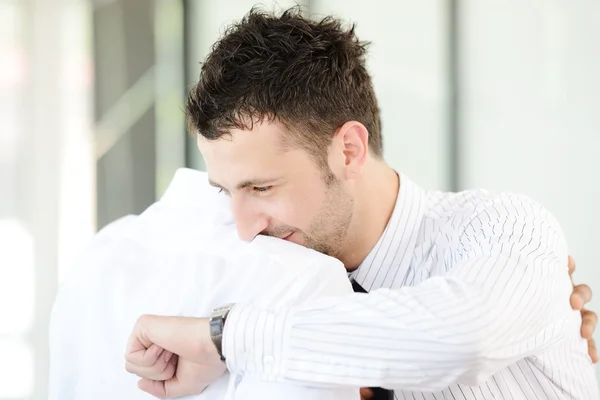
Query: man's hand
x: 582, y: 294
x: 174, y: 356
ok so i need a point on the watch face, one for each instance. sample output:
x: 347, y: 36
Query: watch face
x: 217, y: 323
x: 217, y: 320
x: 215, y: 327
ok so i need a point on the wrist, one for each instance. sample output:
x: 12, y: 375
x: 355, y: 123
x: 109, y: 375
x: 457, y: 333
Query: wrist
x: 217, y: 325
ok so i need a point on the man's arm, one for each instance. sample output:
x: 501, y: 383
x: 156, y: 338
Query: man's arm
x: 444, y: 323
x: 505, y: 298
x: 184, y: 371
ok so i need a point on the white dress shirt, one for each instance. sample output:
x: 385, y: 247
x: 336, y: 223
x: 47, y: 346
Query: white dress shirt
x: 180, y: 257
x: 469, y: 299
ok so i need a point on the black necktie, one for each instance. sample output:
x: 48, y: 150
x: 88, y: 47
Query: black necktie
x: 378, y: 393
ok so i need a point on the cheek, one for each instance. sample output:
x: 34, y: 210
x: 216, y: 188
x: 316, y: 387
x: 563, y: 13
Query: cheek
x: 296, y: 211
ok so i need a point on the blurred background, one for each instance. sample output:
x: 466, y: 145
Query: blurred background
x: 503, y: 95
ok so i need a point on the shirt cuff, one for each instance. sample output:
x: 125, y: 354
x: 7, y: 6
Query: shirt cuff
x: 256, y: 342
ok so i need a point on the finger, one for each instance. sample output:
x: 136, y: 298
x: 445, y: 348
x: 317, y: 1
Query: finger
x: 162, y: 370
x: 592, y: 351
x: 145, y: 357
x: 571, y: 265
x: 589, y: 320
x: 366, y: 393
x: 134, y: 344
x: 582, y: 294
x: 165, y: 357
x: 171, y: 388
x: 152, y: 373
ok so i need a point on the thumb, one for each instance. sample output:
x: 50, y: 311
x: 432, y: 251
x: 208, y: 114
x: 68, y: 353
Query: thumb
x: 168, y: 389
x: 155, y: 388
x: 160, y: 389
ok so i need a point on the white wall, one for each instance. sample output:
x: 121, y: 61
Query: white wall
x: 531, y: 112
x: 46, y: 176
x: 407, y: 59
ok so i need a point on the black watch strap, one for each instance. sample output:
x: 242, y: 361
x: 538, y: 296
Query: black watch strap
x: 217, y: 324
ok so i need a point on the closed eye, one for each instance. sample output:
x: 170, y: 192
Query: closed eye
x: 262, y: 189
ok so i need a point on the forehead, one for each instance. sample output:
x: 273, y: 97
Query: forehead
x: 259, y: 153
x: 266, y: 137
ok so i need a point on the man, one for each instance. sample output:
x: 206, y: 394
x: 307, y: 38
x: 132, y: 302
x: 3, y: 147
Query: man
x: 468, y: 291
x: 181, y: 256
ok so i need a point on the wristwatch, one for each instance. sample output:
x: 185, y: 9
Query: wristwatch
x: 217, y: 324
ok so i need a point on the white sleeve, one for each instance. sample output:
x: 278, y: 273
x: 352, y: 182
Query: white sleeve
x: 108, y: 289
x: 76, y: 312
x: 312, y: 282
x: 252, y: 388
x: 506, y: 297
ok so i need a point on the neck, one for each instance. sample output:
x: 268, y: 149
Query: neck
x: 376, y: 195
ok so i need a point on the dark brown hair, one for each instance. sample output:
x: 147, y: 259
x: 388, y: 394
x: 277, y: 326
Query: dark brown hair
x: 308, y: 75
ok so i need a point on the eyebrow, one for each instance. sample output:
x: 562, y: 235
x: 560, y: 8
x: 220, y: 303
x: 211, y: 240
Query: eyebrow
x: 246, y: 183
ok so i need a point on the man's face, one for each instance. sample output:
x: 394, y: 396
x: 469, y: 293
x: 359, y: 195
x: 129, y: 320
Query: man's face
x: 279, y: 191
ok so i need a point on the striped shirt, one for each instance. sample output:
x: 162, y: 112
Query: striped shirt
x: 469, y: 299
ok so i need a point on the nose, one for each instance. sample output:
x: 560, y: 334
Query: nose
x: 248, y: 219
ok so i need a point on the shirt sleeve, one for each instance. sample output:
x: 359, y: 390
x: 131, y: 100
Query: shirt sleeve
x: 505, y: 297
x: 252, y: 388
x: 315, y: 279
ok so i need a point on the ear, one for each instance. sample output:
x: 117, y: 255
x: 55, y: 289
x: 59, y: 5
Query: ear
x: 353, y: 139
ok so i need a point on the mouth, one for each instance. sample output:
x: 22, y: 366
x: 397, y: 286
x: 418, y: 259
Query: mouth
x: 288, y: 236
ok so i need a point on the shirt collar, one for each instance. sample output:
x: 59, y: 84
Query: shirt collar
x: 388, y: 262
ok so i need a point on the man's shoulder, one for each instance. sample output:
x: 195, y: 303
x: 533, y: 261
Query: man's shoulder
x: 463, y: 207
x: 482, y: 214
x: 480, y: 219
